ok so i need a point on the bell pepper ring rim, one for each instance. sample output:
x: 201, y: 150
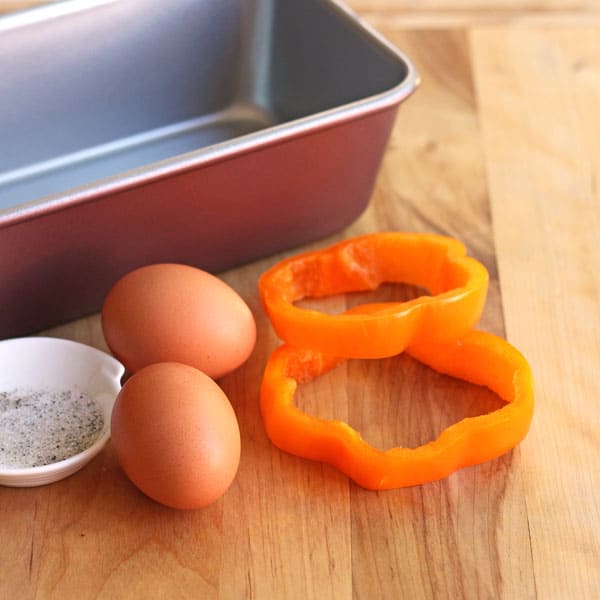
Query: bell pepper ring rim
x: 479, y: 358
x: 363, y: 263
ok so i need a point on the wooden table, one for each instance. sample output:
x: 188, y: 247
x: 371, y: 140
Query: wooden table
x: 499, y: 147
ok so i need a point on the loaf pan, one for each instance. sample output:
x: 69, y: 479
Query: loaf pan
x: 206, y: 132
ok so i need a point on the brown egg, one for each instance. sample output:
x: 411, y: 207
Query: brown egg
x: 176, y: 436
x: 177, y: 313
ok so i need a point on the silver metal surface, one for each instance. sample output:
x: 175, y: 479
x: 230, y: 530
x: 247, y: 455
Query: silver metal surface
x: 260, y: 122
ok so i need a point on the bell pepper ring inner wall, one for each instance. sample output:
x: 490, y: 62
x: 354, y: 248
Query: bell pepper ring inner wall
x: 479, y: 358
x: 458, y: 285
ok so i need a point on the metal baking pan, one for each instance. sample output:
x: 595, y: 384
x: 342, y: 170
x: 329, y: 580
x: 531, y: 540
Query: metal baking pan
x: 207, y: 132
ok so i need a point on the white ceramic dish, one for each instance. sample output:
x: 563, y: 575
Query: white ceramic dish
x: 55, y: 364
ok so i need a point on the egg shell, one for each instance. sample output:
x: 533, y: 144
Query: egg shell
x: 177, y: 313
x: 176, y: 435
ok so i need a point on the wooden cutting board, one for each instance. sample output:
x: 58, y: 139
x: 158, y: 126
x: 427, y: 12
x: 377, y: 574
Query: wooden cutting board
x: 500, y: 147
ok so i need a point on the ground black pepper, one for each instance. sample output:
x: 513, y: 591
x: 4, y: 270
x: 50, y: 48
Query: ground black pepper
x: 40, y: 427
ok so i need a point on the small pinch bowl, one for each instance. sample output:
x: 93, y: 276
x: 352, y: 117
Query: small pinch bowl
x: 38, y: 363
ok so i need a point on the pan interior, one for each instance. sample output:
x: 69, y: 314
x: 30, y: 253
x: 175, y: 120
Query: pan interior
x: 108, y: 87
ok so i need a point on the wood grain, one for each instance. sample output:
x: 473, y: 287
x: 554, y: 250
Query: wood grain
x: 425, y: 20
x: 539, y: 94
x: 499, y: 147
x: 473, y: 6
x: 7, y: 6
x: 445, y: 14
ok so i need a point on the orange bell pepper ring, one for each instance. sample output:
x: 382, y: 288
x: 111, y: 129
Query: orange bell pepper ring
x: 480, y: 358
x: 458, y: 285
